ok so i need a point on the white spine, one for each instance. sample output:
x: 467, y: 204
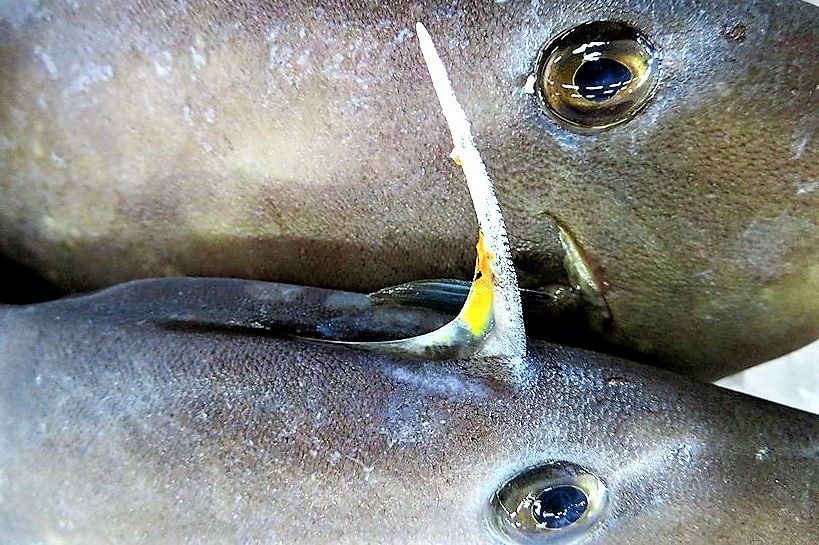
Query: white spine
x: 508, y: 338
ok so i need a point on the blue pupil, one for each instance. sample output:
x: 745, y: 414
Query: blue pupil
x: 559, y: 506
x: 600, y: 80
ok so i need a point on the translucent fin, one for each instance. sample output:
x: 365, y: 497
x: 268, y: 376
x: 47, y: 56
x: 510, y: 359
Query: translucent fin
x: 490, y: 324
x: 447, y: 294
x: 554, y: 303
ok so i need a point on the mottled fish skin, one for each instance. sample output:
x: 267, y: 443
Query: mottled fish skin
x: 118, y: 427
x: 302, y: 142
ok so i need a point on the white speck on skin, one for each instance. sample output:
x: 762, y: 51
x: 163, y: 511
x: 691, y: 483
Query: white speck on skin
x: 403, y: 35
x: 210, y: 115
x: 48, y: 62
x: 163, y: 69
x: 760, y: 250
x: 187, y: 114
x: 59, y: 161
x: 438, y: 382
x: 800, y: 143
x: 276, y: 55
x: 367, y: 469
x: 199, y: 60
x: 334, y: 457
x: 92, y: 74
x: 408, y: 422
x: 529, y: 86
x: 6, y: 144
x: 685, y: 453
x: 762, y: 453
x: 804, y: 189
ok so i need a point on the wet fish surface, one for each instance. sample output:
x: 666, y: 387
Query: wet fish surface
x: 296, y: 142
x: 173, y: 411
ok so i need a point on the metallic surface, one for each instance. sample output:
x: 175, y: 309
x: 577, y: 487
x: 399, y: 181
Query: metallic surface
x: 300, y: 142
x: 125, y: 418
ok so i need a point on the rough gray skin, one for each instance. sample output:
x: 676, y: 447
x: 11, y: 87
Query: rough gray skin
x: 301, y: 142
x: 125, y: 418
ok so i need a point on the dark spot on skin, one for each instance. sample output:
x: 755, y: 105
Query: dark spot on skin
x: 559, y: 506
x: 617, y: 381
x: 735, y: 33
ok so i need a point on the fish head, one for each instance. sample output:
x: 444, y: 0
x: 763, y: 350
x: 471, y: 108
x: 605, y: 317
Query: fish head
x: 652, y: 455
x: 696, y: 218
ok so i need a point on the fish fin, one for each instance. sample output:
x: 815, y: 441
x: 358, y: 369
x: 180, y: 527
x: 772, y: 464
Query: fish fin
x: 446, y: 294
x: 461, y: 338
x: 490, y: 323
x: 449, y: 294
x: 246, y: 307
x: 507, y: 339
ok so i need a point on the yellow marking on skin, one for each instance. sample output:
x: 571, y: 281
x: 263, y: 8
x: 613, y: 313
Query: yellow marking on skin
x: 477, y: 310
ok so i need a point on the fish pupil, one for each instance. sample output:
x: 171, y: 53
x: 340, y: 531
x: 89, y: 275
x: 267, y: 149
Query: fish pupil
x: 559, y: 506
x: 601, y: 79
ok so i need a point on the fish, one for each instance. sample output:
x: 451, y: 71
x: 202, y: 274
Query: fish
x: 190, y: 410
x: 232, y: 411
x: 295, y: 142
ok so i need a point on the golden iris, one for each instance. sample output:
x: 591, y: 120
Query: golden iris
x: 597, y: 75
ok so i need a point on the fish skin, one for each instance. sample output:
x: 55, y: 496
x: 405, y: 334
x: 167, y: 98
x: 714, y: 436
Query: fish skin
x: 116, y: 428
x: 298, y: 142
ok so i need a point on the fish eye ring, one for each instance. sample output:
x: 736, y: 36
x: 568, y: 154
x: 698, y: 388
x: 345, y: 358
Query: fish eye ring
x: 596, y: 75
x: 548, y: 503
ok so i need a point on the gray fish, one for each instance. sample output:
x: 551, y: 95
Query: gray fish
x: 300, y: 142
x: 174, y: 411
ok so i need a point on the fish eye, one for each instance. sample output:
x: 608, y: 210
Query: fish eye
x: 550, y: 503
x: 596, y: 75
